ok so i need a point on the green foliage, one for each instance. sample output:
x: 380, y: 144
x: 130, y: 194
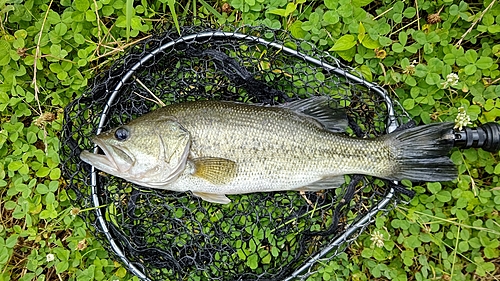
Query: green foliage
x: 47, y: 50
x: 433, y: 65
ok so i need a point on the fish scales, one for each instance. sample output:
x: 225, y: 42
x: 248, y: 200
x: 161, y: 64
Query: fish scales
x: 269, y: 149
x: 214, y: 148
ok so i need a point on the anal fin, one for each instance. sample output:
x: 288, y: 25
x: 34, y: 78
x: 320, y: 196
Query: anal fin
x: 328, y: 182
x: 213, y: 197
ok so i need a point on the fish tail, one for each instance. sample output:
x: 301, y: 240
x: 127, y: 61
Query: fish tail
x: 422, y: 153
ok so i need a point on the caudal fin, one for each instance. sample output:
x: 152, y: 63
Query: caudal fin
x: 422, y: 153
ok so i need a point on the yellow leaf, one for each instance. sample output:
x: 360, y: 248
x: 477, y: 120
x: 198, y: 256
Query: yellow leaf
x: 370, y: 43
x: 361, y: 32
x: 344, y: 43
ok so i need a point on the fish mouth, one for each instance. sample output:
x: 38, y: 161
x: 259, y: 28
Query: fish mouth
x: 114, y: 161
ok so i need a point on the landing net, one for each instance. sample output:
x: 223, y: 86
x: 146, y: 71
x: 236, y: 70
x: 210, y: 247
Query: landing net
x: 162, y: 235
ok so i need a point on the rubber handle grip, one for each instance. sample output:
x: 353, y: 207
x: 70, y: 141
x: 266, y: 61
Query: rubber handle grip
x: 486, y: 136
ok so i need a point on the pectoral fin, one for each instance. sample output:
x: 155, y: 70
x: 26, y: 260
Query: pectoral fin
x: 324, y: 183
x: 215, y: 170
x: 212, y: 197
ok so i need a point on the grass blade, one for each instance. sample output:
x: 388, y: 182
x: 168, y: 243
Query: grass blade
x: 171, y: 7
x: 210, y: 9
x: 128, y: 15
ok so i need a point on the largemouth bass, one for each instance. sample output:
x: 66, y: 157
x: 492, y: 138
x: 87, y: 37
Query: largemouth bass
x: 216, y: 148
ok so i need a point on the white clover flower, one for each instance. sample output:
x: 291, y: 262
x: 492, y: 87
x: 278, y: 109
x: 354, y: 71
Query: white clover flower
x: 451, y: 80
x: 50, y: 257
x: 378, y: 239
x: 75, y: 211
x: 462, y: 119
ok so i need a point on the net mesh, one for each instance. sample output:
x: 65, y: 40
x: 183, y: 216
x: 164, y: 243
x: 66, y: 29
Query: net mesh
x: 166, y: 235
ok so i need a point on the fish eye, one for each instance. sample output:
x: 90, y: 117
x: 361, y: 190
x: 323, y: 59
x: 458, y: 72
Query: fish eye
x: 122, y: 134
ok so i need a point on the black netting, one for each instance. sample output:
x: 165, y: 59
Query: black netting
x: 163, y: 235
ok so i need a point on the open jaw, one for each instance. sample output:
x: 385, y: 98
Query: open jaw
x: 115, y: 161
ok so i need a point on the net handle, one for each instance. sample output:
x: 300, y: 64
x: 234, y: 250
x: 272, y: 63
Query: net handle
x: 392, y: 124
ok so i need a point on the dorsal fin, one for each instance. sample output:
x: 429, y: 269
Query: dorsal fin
x: 318, y: 109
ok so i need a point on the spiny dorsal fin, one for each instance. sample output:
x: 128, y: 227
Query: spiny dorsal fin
x: 318, y: 109
x: 215, y: 170
x: 213, y: 197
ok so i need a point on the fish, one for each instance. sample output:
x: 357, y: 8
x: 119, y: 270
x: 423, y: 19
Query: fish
x: 219, y: 148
